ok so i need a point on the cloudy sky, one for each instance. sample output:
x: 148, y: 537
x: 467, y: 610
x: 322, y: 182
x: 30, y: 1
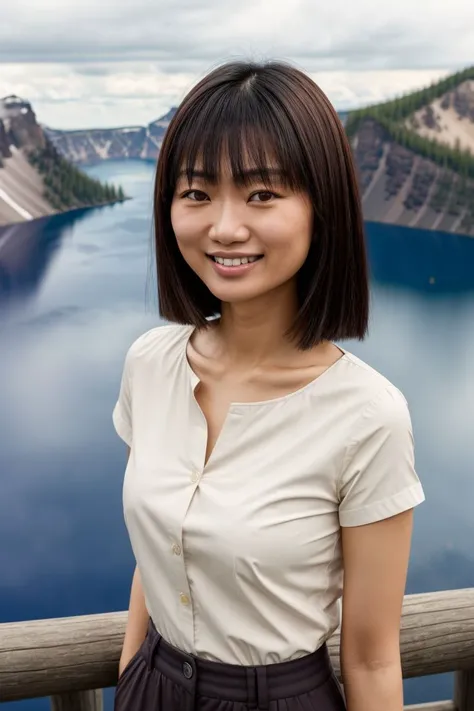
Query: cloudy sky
x: 86, y: 63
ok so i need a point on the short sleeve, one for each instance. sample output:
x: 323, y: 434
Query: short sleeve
x: 122, y: 413
x: 378, y: 479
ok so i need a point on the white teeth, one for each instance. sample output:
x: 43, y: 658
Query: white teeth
x: 234, y: 262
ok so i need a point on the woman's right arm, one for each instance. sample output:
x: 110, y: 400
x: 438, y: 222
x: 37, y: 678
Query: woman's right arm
x: 137, y: 622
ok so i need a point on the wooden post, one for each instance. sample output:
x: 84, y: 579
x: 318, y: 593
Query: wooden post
x: 464, y: 690
x: 78, y: 701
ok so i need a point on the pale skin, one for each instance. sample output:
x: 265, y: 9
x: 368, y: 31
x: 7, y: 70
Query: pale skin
x: 244, y: 357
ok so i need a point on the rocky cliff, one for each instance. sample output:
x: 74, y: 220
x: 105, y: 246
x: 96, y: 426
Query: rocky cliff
x: 416, y: 157
x: 402, y: 187
x: 35, y: 179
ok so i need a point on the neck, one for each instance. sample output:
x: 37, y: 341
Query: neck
x: 253, y: 333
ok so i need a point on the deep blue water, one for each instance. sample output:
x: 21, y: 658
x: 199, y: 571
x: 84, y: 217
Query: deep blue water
x: 75, y: 290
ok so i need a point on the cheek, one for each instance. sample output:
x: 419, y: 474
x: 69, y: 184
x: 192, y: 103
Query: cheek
x: 293, y: 242
x: 184, y: 228
x: 304, y: 234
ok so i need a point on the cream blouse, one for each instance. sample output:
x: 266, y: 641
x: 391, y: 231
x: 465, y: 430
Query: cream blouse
x: 240, y: 559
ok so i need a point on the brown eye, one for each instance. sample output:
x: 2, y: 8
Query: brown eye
x: 199, y: 195
x: 266, y: 194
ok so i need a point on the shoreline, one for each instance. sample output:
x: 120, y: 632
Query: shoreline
x: 70, y: 212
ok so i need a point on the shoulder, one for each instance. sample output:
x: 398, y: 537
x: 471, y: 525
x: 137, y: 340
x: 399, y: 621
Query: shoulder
x: 377, y: 478
x: 377, y: 402
x: 158, y: 345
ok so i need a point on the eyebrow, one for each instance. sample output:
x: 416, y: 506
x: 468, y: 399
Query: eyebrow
x: 241, y: 178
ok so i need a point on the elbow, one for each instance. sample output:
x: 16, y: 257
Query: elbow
x: 363, y: 652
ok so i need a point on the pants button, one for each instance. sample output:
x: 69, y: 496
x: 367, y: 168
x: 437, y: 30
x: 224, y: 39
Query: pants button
x: 187, y: 670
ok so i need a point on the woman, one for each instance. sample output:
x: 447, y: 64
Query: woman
x: 264, y: 460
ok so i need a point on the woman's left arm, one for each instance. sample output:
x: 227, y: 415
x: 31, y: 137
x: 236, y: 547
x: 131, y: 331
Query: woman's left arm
x: 375, y: 568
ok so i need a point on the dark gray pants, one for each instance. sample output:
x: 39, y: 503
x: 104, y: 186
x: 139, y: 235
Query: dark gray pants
x: 161, y: 678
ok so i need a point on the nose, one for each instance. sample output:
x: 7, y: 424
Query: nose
x: 227, y: 226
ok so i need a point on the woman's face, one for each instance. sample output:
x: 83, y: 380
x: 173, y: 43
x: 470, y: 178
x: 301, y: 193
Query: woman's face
x: 242, y: 241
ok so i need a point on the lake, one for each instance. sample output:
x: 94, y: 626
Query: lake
x: 76, y: 289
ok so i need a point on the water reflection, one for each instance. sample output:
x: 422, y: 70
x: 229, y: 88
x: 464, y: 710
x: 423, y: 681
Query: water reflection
x: 27, y: 250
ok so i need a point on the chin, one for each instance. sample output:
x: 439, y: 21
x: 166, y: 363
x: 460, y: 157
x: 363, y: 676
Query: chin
x: 234, y: 294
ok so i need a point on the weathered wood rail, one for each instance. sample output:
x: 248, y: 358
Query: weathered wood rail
x: 72, y: 659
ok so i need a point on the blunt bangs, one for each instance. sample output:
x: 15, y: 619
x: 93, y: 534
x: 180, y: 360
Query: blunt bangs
x: 240, y: 129
x: 265, y: 117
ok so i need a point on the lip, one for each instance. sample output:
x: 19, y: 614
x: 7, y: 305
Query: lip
x: 233, y: 272
x: 231, y: 255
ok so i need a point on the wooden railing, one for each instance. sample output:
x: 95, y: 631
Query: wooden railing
x: 72, y: 659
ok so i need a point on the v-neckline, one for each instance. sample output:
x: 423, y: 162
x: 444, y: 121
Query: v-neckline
x: 195, y: 380
x: 241, y: 407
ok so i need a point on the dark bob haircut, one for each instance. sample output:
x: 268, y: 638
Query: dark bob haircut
x: 256, y: 113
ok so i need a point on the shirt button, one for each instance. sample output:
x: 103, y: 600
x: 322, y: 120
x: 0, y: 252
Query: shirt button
x: 184, y: 599
x: 187, y: 670
x: 176, y: 549
x: 194, y: 477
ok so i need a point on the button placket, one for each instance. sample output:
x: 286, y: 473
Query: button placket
x: 177, y: 548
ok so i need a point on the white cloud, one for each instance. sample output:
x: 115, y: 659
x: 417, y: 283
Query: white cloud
x: 135, y: 93
x: 105, y: 95
x: 117, y: 63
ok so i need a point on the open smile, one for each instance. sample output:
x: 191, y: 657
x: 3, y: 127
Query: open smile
x: 235, y: 261
x: 234, y: 266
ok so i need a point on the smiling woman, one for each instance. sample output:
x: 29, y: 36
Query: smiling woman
x: 258, y: 229
x: 270, y: 470
x: 232, y: 140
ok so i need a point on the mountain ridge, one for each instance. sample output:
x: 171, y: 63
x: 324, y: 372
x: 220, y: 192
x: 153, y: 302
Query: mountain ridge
x: 88, y: 146
x: 36, y: 180
x: 409, y: 173
x: 414, y: 153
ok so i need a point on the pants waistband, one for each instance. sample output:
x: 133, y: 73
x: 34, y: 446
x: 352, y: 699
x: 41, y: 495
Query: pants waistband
x: 255, y: 686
